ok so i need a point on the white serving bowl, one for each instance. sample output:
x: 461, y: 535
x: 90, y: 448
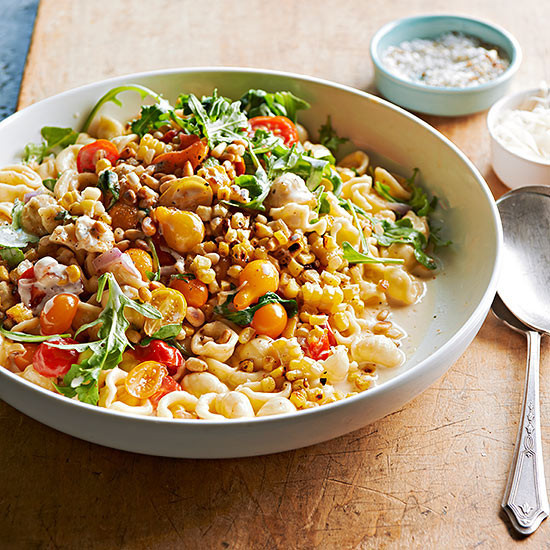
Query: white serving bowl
x: 463, y: 290
x: 513, y: 169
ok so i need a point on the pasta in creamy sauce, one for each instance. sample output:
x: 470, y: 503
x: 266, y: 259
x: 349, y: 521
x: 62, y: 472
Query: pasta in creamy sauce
x: 206, y: 261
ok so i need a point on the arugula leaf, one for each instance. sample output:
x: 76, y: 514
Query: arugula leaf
x: 53, y: 137
x: 329, y: 138
x: 106, y: 352
x: 23, y: 337
x: 184, y: 276
x: 262, y: 103
x: 214, y: 117
x: 49, y: 183
x: 108, y: 183
x: 12, y: 256
x: 436, y: 239
x: 384, y: 191
x: 355, y: 257
x: 264, y: 141
x: 257, y: 185
x: 153, y: 276
x: 166, y: 333
x: 152, y: 117
x: 244, y: 317
x: 402, y: 231
x: 111, y: 95
x: 63, y: 215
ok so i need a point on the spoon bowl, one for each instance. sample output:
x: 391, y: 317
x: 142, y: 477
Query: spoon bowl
x: 524, y: 284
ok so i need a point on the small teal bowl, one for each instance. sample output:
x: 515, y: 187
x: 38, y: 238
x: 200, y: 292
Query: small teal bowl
x: 435, y: 100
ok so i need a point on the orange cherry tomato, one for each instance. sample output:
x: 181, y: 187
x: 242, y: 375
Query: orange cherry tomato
x: 23, y: 360
x: 91, y: 153
x: 168, y: 386
x: 170, y: 162
x: 194, y: 291
x: 145, y: 379
x: 256, y: 279
x: 142, y: 260
x: 270, y: 320
x: 58, y: 314
x: 280, y: 126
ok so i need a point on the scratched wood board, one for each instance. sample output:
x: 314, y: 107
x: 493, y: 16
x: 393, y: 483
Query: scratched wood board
x: 430, y: 475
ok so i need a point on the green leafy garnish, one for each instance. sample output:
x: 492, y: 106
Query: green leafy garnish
x: 402, y: 231
x: 49, y: 183
x: 262, y: 103
x: 12, y: 256
x: 54, y: 137
x: 153, y: 276
x: 64, y: 216
x: 257, y: 185
x: 167, y: 332
x: 384, y: 191
x: 23, y: 337
x: 244, y: 317
x: 108, y: 183
x: 13, y: 237
x: 355, y: 257
x: 111, y: 95
x: 184, y: 276
x: 152, y: 117
x: 214, y: 117
x: 106, y: 352
x: 329, y: 138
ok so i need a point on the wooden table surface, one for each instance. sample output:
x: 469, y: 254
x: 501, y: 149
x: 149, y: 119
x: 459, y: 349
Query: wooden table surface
x: 430, y: 475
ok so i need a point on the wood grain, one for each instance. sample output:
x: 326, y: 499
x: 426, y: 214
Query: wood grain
x: 428, y: 476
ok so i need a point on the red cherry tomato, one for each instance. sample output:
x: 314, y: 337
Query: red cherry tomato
x: 168, y: 386
x: 280, y: 126
x: 28, y: 274
x: 91, y: 153
x: 53, y: 362
x: 319, y: 349
x: 161, y: 352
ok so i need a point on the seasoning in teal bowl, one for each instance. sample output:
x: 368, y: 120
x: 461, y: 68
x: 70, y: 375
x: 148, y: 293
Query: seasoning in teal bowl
x: 468, y: 80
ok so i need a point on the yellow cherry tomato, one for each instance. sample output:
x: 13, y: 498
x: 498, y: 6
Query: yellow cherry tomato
x: 182, y: 230
x: 257, y: 278
x: 172, y: 307
x: 142, y: 260
x: 194, y: 291
x: 270, y: 320
x: 145, y: 379
x: 58, y: 314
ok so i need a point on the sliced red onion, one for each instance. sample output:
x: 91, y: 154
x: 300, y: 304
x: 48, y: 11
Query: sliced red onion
x: 399, y: 207
x: 28, y: 196
x: 104, y: 260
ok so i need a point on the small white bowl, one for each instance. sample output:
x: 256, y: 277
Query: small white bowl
x: 513, y: 169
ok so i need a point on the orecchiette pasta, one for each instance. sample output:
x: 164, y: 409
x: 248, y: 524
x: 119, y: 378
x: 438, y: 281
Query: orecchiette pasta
x: 223, y: 271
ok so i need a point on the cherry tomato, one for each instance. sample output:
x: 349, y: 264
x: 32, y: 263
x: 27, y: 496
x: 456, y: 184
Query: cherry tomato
x: 319, y: 349
x: 160, y: 351
x: 170, y: 162
x: 53, y: 362
x: 169, y: 136
x: 145, y: 379
x: 124, y: 216
x: 142, y: 261
x: 28, y: 273
x: 168, y: 385
x: 91, y: 153
x: 58, y: 314
x: 172, y: 307
x: 194, y: 291
x: 270, y: 320
x: 23, y: 360
x: 256, y: 279
x: 280, y: 126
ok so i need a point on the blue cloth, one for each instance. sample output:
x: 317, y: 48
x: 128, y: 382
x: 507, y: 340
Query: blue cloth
x: 16, y: 25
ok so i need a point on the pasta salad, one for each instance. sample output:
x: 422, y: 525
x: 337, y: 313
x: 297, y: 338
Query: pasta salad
x: 206, y: 260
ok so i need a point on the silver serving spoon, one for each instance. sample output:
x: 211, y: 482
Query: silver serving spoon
x: 524, y: 288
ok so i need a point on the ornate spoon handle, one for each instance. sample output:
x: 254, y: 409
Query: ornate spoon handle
x: 525, y: 499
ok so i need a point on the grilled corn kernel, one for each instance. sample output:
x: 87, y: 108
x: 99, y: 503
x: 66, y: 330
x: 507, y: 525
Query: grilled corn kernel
x: 102, y: 164
x: 247, y: 365
x: 298, y: 398
x: 268, y: 384
x: 281, y: 237
x: 73, y: 273
x: 223, y: 249
x: 4, y: 274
